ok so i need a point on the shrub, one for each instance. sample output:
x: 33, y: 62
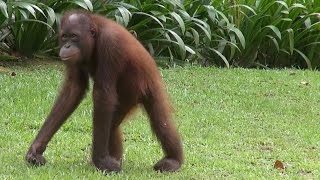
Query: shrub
x: 278, y: 33
x: 246, y: 33
x: 32, y: 24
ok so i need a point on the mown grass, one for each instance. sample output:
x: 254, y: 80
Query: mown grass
x: 235, y: 124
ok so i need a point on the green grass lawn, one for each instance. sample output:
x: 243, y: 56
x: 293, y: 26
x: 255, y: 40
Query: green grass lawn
x: 235, y: 124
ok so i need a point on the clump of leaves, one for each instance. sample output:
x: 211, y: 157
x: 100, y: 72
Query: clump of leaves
x: 278, y: 33
x: 177, y: 31
x: 32, y: 24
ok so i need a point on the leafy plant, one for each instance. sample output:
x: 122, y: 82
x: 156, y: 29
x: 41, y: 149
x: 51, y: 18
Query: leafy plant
x: 156, y: 24
x: 278, y: 33
x: 246, y: 33
x: 178, y: 31
x: 220, y: 37
x: 32, y: 23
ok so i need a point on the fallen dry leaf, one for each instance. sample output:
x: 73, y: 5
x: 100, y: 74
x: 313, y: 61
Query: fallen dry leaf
x: 279, y: 165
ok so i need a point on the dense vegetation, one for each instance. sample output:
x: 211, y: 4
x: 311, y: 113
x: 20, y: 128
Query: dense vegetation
x: 247, y: 33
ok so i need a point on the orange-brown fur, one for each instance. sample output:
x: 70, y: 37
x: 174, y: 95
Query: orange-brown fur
x: 124, y: 75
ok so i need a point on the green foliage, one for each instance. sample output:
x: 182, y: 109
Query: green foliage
x: 160, y: 26
x: 32, y: 23
x: 279, y: 33
x: 240, y: 33
x: 247, y: 33
x: 177, y: 31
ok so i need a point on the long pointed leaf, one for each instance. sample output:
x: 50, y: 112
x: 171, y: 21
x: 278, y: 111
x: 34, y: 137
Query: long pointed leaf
x: 178, y: 18
x: 291, y: 40
x: 221, y: 56
x: 239, y: 36
x: 305, y: 58
x: 275, y: 30
x: 3, y: 8
x: 182, y: 46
